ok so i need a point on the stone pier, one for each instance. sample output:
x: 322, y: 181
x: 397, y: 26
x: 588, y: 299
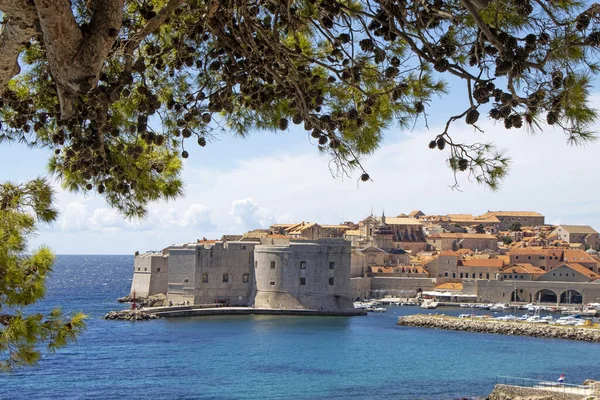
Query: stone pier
x: 587, y: 334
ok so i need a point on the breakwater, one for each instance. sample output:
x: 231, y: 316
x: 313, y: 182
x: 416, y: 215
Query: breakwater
x: 501, y: 327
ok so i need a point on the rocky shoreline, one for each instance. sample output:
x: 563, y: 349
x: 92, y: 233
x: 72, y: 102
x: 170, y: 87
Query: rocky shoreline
x: 131, y: 315
x: 501, y: 327
x: 156, y: 300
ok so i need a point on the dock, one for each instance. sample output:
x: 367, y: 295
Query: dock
x: 200, y: 311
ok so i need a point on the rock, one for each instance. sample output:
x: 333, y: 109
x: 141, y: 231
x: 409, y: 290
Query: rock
x: 131, y: 315
x: 156, y: 300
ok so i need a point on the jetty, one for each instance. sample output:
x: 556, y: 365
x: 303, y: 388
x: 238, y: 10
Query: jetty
x: 203, y: 310
x: 439, y: 321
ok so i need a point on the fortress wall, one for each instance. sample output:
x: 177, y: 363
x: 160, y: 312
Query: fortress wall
x: 159, y: 267
x: 142, y: 268
x: 181, y: 273
x: 297, y: 275
x: 360, y: 287
x: 235, y: 259
x: 398, y: 285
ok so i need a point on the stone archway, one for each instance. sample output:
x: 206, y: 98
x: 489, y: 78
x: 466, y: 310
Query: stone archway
x: 546, y: 296
x: 571, y: 297
x: 521, y: 295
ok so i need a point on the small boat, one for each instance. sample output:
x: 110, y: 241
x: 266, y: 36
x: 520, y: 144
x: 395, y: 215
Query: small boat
x: 410, y: 303
x: 506, y: 318
x: 379, y: 309
x: 465, y: 305
x: 429, y: 305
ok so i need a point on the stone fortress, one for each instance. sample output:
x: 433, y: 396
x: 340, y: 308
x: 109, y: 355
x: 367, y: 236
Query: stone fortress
x: 499, y: 256
x: 271, y: 273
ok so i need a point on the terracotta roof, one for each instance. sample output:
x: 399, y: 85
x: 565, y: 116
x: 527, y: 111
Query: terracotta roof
x: 578, y: 228
x: 577, y: 255
x: 522, y: 268
x: 514, y: 213
x: 583, y: 270
x: 537, y: 250
x: 482, y: 262
x: 448, y: 253
x: 299, y: 228
x: 461, y: 236
x: 402, y: 221
x: 464, y: 251
x: 415, y: 212
x: 450, y: 286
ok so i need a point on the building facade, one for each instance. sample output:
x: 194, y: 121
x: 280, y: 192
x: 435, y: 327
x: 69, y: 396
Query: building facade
x: 271, y: 273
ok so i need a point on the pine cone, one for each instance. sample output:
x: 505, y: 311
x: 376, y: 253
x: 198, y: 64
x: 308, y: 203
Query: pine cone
x: 472, y: 116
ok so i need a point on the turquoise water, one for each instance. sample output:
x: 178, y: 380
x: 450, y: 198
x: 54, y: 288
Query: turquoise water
x: 261, y: 357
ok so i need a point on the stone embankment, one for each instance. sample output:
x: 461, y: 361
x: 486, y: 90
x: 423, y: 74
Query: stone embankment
x: 501, y: 327
x: 156, y: 300
x: 507, y: 392
x: 131, y: 315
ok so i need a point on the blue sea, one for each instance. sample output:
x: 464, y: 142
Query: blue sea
x: 264, y: 357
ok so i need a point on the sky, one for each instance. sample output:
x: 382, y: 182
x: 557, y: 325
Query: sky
x: 234, y: 185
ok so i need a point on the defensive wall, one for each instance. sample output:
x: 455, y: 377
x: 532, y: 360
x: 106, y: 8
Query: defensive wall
x: 150, y: 274
x: 303, y: 275
x: 534, y: 291
x: 272, y: 273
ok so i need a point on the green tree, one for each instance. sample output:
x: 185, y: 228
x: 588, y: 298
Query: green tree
x: 22, y: 277
x: 119, y: 89
x: 506, y: 240
x: 479, y: 228
x: 516, y: 227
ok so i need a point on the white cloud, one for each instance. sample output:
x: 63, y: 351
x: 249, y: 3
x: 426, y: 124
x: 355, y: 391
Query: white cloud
x: 72, y: 217
x: 248, y: 215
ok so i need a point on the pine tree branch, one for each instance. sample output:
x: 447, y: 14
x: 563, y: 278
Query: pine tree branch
x: 17, y: 29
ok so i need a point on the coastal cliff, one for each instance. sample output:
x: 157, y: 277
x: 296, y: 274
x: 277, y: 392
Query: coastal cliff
x: 501, y: 327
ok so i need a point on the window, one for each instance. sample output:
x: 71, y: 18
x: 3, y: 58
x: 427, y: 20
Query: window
x: 145, y: 269
x: 487, y: 276
x: 255, y: 264
x: 446, y: 274
x: 139, y: 269
x: 480, y: 275
x: 225, y: 277
x: 517, y: 257
x: 243, y: 247
x: 302, y: 281
x: 204, y: 278
x: 302, y: 264
x: 473, y: 275
x: 504, y: 276
x: 560, y: 274
x: 461, y: 274
x: 331, y: 264
x: 529, y: 257
x: 330, y: 281
x: 245, y: 278
x: 554, y: 274
x: 272, y: 283
x: 454, y: 274
x: 510, y: 277
x: 272, y: 264
x: 186, y: 281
